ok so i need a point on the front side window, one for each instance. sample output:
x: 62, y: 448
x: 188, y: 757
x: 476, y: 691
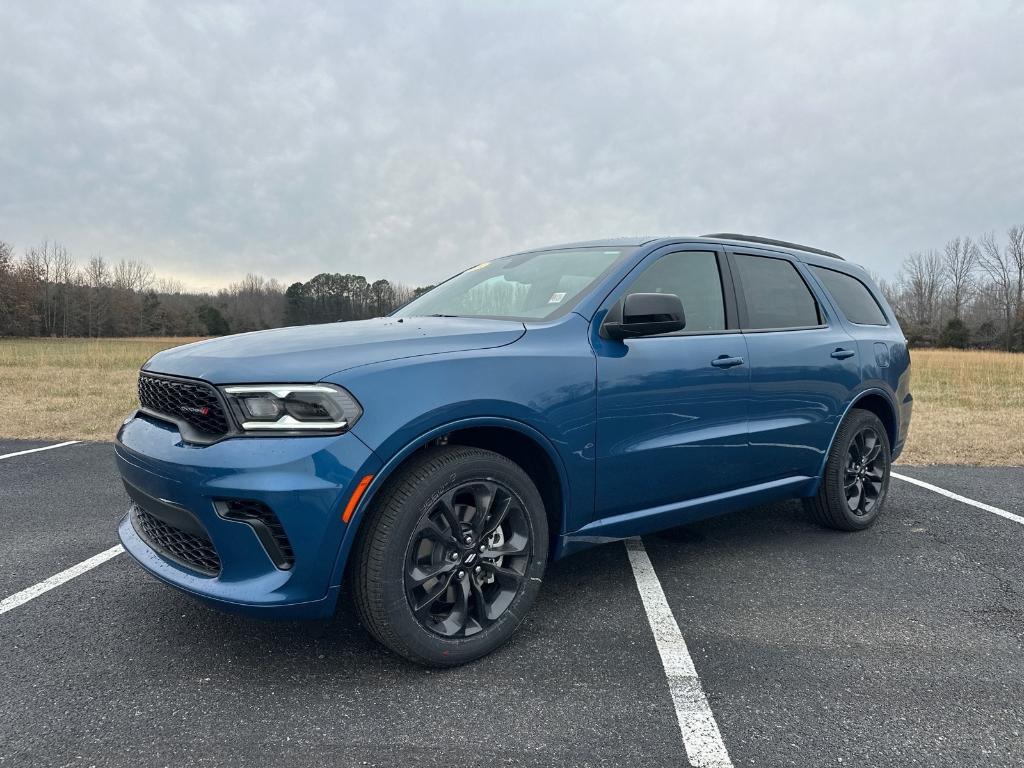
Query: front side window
x: 692, y: 276
x: 776, y: 296
x: 852, y: 296
x: 527, y: 286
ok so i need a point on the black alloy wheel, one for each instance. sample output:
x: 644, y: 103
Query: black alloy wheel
x: 467, y: 558
x: 865, y: 471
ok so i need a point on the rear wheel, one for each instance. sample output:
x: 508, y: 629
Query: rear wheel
x: 451, y: 556
x: 856, y: 479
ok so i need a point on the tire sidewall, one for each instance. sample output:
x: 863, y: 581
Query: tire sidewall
x: 836, y: 497
x: 421, y: 641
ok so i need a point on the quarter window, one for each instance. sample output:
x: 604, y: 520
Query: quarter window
x: 776, y: 296
x: 694, y: 278
x: 852, y: 296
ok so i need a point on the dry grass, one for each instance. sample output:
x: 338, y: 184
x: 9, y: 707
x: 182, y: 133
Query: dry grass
x: 65, y: 389
x: 968, y: 406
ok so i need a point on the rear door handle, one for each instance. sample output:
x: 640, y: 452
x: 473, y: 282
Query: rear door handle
x: 842, y: 354
x: 726, y: 362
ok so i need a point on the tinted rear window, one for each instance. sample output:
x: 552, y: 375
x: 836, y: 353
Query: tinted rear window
x: 852, y: 296
x: 776, y: 296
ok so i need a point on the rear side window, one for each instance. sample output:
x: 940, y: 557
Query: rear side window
x: 693, y: 277
x: 776, y: 296
x: 852, y: 296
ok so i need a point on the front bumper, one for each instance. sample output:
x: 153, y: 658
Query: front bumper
x: 304, y: 480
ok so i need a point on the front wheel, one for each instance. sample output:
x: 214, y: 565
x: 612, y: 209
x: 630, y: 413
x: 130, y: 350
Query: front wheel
x: 451, y: 556
x: 856, y: 479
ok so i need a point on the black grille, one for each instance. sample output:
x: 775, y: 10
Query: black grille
x: 191, y: 550
x: 268, y: 528
x: 194, y: 402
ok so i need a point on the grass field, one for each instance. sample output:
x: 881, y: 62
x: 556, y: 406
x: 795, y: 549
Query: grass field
x: 70, y: 389
x: 968, y: 406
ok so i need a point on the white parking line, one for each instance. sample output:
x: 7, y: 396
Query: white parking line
x: 20, y: 598
x: 964, y: 499
x: 36, y: 450
x: 701, y: 737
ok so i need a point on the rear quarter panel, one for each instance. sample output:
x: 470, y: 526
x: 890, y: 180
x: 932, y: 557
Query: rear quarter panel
x: 882, y: 350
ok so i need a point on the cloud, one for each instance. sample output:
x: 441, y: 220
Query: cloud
x: 410, y: 140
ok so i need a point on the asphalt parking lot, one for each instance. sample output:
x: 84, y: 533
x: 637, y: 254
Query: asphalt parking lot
x: 899, y: 646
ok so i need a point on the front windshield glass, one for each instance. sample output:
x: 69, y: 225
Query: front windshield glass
x: 528, y: 286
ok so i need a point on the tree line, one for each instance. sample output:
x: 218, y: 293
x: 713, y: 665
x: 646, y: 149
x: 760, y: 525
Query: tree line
x: 45, y: 292
x: 969, y: 294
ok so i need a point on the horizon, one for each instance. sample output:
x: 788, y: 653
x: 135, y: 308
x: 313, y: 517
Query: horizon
x: 206, y: 288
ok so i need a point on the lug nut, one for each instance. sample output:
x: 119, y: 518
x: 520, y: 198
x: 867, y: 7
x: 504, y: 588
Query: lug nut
x: 477, y: 569
x: 460, y: 575
x: 453, y: 556
x: 468, y: 539
x: 483, y: 547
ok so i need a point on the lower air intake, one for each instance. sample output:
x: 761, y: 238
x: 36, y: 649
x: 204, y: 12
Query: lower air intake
x: 265, y: 523
x: 188, y: 549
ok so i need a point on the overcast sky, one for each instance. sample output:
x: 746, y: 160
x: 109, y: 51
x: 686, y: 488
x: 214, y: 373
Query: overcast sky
x: 294, y: 138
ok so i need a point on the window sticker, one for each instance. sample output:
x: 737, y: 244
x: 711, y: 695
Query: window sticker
x: 556, y: 298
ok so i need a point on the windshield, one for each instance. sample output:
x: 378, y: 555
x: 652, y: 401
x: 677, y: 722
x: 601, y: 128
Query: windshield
x: 528, y: 286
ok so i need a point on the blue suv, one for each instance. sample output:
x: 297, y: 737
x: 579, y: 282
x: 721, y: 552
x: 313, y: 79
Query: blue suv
x: 435, y: 460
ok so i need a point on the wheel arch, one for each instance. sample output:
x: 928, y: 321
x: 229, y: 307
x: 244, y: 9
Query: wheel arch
x: 880, y: 405
x: 514, y: 439
x: 876, y: 401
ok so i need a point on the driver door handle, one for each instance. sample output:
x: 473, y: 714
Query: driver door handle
x: 842, y: 354
x: 724, y: 361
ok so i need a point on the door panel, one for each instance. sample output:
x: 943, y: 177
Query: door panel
x: 671, y: 426
x: 803, y: 366
x: 798, y: 391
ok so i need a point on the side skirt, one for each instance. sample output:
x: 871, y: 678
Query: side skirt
x: 646, y: 521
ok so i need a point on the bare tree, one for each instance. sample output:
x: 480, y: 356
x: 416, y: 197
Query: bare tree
x: 7, y: 287
x: 998, y: 264
x: 135, y: 276
x: 959, y: 260
x: 920, y: 292
x: 48, y: 306
x: 65, y: 273
x: 169, y: 285
x: 1015, y: 245
x: 253, y: 303
x: 97, y: 278
x: 35, y: 271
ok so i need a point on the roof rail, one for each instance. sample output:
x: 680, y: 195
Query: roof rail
x: 769, y: 241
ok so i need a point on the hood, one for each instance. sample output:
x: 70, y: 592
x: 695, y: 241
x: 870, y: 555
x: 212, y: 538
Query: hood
x: 309, y: 353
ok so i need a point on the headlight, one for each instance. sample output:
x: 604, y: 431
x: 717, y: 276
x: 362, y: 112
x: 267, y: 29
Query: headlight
x: 293, y: 407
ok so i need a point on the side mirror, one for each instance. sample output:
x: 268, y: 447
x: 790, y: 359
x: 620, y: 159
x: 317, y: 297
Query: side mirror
x: 648, y: 314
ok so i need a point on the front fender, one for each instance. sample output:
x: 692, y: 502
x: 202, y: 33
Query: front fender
x: 382, y: 476
x: 542, y: 386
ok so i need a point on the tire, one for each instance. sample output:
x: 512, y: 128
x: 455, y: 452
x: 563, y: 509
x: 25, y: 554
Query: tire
x: 473, y: 585
x: 837, y: 503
